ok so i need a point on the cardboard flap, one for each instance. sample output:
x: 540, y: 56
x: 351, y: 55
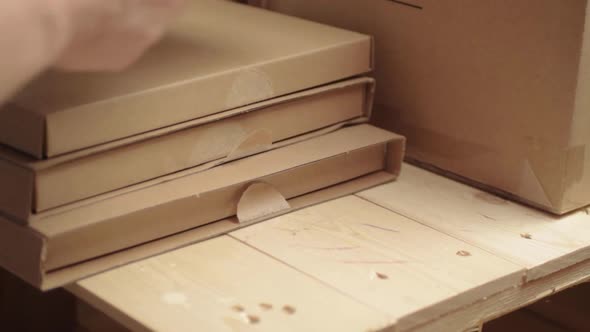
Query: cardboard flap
x: 257, y: 141
x: 531, y: 186
x: 260, y: 200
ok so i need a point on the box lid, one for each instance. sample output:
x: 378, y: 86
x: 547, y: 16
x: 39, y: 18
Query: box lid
x: 204, y: 65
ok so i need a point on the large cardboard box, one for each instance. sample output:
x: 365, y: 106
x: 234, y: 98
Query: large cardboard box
x: 33, y: 186
x: 165, y: 214
x: 207, y: 63
x: 494, y: 91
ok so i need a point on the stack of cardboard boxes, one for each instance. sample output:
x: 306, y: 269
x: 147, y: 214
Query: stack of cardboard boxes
x: 239, y: 114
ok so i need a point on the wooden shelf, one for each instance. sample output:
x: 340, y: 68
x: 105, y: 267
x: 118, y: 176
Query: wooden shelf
x: 422, y: 254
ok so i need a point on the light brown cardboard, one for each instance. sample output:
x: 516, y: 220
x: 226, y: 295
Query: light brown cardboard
x: 495, y: 92
x: 34, y: 186
x: 205, y: 64
x: 260, y: 194
x: 304, y: 173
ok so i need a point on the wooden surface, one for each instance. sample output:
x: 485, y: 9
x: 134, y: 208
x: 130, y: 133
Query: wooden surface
x: 562, y: 312
x: 537, y: 241
x: 421, y: 254
x: 349, y: 242
x: 231, y: 286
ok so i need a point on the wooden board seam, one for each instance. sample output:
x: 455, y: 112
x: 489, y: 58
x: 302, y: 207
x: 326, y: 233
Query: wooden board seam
x: 391, y: 324
x: 443, y: 232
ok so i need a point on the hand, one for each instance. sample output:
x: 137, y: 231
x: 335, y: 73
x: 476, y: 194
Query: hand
x: 111, y: 34
x: 89, y: 35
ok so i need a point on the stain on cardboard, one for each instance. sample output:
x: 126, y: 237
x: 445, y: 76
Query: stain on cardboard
x: 223, y: 140
x: 249, y: 86
x: 253, y: 142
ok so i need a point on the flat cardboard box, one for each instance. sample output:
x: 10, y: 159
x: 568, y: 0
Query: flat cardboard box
x: 34, y: 186
x: 100, y: 235
x: 496, y: 92
x: 207, y: 63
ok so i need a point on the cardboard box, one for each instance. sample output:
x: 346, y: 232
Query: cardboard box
x: 496, y: 92
x: 81, y: 241
x: 34, y: 186
x: 206, y: 64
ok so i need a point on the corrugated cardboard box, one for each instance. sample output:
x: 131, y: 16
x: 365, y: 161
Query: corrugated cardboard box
x: 206, y: 64
x: 89, y: 237
x: 496, y: 92
x: 34, y: 186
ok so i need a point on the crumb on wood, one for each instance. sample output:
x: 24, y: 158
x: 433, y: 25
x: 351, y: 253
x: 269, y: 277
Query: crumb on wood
x: 288, y: 309
x: 237, y: 308
x: 265, y: 306
x: 252, y: 319
x: 527, y: 236
x: 463, y: 253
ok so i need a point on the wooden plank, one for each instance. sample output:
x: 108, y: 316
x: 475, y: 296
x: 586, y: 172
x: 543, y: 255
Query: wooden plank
x: 507, y: 301
x: 223, y: 285
x: 385, y: 260
x: 570, y: 308
x: 540, y: 242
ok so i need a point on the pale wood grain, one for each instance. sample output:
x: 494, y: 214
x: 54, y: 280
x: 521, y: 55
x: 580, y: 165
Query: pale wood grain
x: 540, y: 242
x: 223, y: 285
x: 389, y: 262
x: 457, y: 262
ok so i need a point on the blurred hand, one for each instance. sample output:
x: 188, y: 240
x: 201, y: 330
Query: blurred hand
x: 80, y: 35
x: 111, y: 34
